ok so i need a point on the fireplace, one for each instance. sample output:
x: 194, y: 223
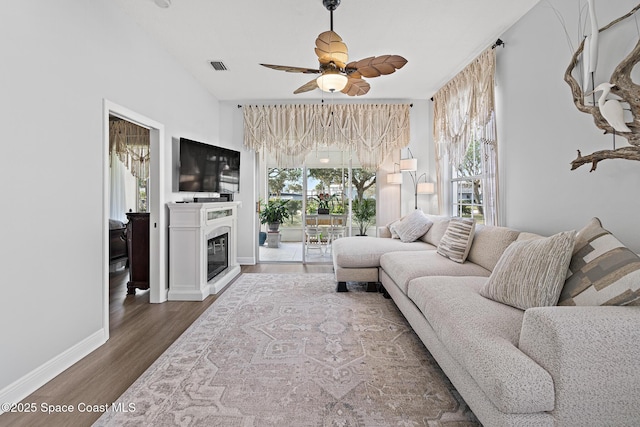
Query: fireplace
x: 217, y: 252
x: 203, y: 255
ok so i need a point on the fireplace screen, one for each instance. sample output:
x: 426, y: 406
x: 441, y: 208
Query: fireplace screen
x: 217, y: 255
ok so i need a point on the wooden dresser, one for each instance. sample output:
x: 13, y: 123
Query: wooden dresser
x: 138, y: 248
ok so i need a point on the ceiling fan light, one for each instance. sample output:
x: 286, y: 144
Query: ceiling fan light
x: 332, y: 82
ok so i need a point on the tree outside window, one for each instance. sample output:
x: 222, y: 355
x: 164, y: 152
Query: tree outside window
x: 466, y: 181
x: 286, y: 183
x: 333, y: 181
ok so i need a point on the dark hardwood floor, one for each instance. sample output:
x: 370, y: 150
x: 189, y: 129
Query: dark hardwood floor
x: 139, y: 333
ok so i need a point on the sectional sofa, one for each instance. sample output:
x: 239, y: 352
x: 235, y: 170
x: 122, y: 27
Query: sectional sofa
x: 489, y: 315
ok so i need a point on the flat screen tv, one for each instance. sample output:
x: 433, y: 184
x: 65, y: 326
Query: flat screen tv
x: 208, y: 169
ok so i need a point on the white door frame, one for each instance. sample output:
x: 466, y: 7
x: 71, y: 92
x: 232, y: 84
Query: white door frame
x: 157, y: 215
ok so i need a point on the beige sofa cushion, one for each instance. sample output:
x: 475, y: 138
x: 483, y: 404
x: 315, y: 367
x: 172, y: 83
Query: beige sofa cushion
x: 531, y: 273
x: 592, y: 354
x: 482, y: 335
x: 437, y: 230
x: 603, y: 271
x: 384, y: 232
x: 489, y: 243
x: 365, y: 251
x: 403, y: 267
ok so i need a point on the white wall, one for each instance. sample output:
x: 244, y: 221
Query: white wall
x: 59, y: 61
x: 422, y: 148
x: 231, y: 133
x: 540, y: 129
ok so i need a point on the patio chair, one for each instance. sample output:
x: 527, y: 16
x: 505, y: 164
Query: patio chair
x: 312, y: 234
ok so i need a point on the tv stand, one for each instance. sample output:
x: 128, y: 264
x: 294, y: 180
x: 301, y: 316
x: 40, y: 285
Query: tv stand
x: 221, y: 198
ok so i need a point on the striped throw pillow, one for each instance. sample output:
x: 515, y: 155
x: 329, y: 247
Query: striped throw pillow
x: 531, y: 273
x: 456, y: 242
x: 603, y: 271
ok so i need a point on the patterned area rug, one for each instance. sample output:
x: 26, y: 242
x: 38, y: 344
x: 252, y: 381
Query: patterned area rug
x: 287, y: 350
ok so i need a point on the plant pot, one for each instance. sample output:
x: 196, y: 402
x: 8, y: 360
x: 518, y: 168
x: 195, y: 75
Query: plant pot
x: 323, y: 211
x: 274, y: 226
x: 262, y: 237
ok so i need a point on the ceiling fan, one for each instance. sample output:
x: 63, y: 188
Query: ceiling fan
x: 336, y: 75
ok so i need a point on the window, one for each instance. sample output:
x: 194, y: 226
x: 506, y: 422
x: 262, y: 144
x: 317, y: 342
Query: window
x: 141, y: 194
x: 286, y: 183
x: 464, y: 133
x: 467, y: 185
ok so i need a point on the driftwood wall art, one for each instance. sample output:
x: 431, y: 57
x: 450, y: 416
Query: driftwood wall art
x: 625, y: 88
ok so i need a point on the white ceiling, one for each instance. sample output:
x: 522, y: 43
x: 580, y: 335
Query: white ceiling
x: 437, y: 37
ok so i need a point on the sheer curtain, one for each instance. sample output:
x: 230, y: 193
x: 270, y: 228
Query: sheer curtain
x: 464, y: 111
x: 117, y: 191
x: 290, y: 132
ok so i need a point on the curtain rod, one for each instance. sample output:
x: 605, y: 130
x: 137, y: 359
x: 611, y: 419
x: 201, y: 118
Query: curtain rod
x: 410, y: 105
x: 498, y: 42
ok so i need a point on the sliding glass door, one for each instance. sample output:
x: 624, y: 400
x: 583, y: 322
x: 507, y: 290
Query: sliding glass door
x: 284, y: 184
x: 327, y: 198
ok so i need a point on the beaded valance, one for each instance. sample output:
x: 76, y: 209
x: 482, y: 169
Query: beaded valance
x: 290, y: 132
x: 130, y: 142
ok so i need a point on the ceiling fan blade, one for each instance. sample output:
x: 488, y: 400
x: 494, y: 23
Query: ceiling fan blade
x: 290, y: 69
x: 313, y: 84
x: 331, y: 48
x: 375, y: 66
x: 356, y: 87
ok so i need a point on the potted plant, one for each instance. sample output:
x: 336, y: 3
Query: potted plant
x: 338, y: 209
x: 273, y: 213
x: 323, y: 201
x: 364, y: 212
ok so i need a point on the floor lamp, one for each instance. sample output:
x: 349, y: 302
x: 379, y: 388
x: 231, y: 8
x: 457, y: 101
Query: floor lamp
x: 411, y: 166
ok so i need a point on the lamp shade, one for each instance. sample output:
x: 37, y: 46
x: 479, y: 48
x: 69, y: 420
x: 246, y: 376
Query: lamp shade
x: 409, y: 165
x: 332, y: 81
x: 426, y: 188
x: 394, y: 178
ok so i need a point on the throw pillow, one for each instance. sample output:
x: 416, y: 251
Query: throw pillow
x: 456, y: 242
x: 392, y: 228
x: 412, y: 226
x: 530, y: 273
x: 602, y: 271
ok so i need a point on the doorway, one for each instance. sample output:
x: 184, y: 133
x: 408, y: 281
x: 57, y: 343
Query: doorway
x: 320, y: 195
x: 154, y: 205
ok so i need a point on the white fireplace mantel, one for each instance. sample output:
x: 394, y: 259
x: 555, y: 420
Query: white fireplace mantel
x: 190, y: 225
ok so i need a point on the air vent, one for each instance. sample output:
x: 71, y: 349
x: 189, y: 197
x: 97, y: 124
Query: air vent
x: 218, y: 65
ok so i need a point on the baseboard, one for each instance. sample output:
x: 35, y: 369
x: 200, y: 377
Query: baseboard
x: 23, y: 387
x: 247, y: 260
x: 187, y: 294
